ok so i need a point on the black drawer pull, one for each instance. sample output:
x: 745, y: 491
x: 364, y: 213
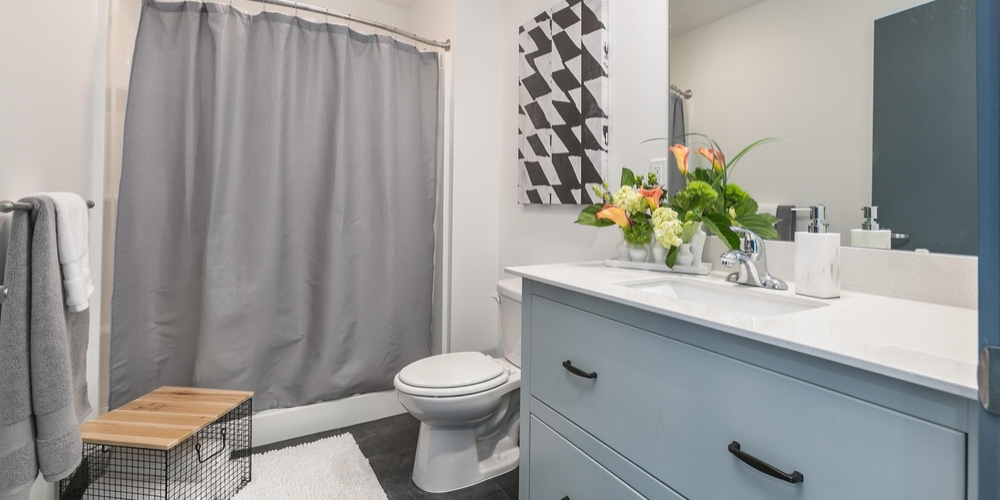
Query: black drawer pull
x: 793, y: 478
x: 578, y: 372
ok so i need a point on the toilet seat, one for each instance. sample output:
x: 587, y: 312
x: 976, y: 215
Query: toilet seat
x: 452, y: 375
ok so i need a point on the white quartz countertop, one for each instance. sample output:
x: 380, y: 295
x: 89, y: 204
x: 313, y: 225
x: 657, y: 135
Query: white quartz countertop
x: 926, y: 344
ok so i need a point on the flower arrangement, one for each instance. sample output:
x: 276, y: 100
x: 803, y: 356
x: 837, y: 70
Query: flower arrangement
x: 708, y: 200
x: 713, y: 200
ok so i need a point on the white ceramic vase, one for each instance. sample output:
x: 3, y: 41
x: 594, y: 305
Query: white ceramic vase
x: 638, y: 254
x: 623, y: 251
x: 698, y: 246
x: 684, y: 256
x: 659, y: 252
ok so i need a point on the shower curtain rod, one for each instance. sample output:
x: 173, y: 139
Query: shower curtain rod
x: 446, y: 45
x: 686, y: 94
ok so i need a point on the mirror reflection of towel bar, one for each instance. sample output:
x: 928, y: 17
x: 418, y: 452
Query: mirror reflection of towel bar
x: 7, y: 206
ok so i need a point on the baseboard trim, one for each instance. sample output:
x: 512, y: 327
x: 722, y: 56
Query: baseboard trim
x: 272, y: 426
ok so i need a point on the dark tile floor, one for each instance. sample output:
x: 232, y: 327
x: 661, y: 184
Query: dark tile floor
x: 390, y: 445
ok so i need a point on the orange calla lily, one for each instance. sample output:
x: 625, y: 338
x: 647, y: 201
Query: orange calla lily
x: 683, y: 154
x: 715, y: 156
x: 652, y: 196
x: 615, y: 214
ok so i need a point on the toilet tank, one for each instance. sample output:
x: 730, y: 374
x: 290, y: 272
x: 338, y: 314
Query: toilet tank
x: 510, y: 319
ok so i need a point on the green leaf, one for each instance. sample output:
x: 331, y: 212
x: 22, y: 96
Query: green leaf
x: 705, y: 175
x: 747, y: 206
x: 718, y: 225
x: 759, y: 225
x: 672, y: 257
x: 772, y: 220
x: 628, y: 177
x: 688, y: 232
x: 588, y: 217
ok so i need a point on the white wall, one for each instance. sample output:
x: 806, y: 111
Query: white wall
x: 535, y: 234
x: 800, y: 70
x: 490, y: 229
x: 474, y: 193
x: 52, y: 101
x: 369, y: 9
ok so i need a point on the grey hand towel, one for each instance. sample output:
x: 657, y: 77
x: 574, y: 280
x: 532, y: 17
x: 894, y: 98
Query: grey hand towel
x: 58, y: 343
x: 18, y: 463
x: 43, y: 346
x: 786, y: 222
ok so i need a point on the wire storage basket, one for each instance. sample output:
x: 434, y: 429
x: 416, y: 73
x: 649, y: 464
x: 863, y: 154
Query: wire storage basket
x: 213, y: 463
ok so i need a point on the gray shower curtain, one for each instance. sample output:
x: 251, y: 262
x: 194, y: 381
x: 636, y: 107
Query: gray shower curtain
x: 276, y: 216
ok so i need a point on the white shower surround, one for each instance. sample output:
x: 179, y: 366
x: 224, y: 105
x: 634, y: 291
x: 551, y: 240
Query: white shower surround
x: 272, y: 426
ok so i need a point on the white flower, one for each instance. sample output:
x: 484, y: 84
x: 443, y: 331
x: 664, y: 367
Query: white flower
x: 628, y: 199
x: 667, y: 227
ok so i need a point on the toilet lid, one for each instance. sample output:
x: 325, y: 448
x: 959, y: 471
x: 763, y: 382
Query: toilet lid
x: 448, y: 371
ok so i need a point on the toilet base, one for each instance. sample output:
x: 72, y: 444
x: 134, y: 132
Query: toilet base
x: 450, y: 458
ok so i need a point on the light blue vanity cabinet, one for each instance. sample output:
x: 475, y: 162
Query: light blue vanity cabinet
x: 622, y: 400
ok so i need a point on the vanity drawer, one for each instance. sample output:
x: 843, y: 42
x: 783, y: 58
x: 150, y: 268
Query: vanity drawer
x: 560, y: 470
x: 674, y: 410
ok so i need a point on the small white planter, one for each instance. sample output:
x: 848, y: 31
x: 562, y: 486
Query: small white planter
x: 684, y: 257
x: 638, y: 254
x: 659, y: 252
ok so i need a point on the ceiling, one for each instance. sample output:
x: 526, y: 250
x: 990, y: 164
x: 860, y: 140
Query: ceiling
x: 689, y: 15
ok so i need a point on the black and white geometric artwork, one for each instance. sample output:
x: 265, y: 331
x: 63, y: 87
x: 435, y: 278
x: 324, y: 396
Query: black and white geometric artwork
x: 563, y: 118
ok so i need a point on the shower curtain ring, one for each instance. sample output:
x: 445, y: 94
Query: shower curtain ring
x: 296, y: 6
x: 327, y: 14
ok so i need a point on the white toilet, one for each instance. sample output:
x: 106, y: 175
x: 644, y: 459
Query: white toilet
x: 468, y: 405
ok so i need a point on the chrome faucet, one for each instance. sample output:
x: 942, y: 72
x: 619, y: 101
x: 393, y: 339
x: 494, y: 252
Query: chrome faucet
x: 752, y: 259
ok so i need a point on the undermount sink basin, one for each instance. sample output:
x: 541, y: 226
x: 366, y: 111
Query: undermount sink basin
x: 735, y: 298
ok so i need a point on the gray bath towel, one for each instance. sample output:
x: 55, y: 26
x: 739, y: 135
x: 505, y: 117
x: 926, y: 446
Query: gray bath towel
x: 39, y: 337
x: 786, y: 222
x: 18, y: 465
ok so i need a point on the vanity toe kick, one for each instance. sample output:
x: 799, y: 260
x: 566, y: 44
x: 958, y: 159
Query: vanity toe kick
x: 713, y: 427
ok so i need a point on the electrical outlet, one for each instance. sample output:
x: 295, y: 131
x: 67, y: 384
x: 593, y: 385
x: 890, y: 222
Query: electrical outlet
x: 659, y: 167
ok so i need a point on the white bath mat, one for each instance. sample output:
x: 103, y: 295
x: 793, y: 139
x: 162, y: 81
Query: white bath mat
x: 329, y: 469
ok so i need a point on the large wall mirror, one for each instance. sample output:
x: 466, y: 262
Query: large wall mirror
x: 874, y: 100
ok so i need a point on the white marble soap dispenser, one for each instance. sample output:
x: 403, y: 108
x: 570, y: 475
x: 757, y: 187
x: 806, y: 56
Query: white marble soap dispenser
x: 817, y: 258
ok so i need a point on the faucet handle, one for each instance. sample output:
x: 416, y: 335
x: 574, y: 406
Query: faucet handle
x: 753, y: 244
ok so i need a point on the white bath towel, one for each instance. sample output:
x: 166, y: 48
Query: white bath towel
x: 73, y: 233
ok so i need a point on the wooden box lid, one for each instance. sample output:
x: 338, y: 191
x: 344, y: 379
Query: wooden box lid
x: 163, y: 418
